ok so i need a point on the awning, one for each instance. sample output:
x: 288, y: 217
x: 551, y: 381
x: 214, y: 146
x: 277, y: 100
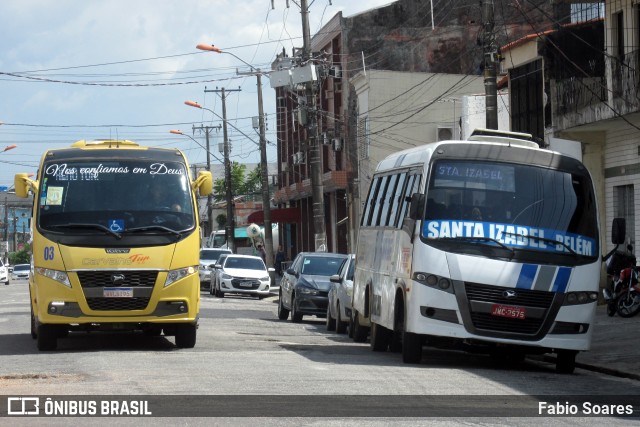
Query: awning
x: 284, y: 215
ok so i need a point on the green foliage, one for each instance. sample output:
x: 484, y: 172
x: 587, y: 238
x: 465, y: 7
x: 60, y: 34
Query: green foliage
x: 20, y: 257
x: 221, y: 220
x: 241, y: 182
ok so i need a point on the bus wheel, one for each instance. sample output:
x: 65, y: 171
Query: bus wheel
x: 350, y: 327
x: 566, y: 361
x: 411, y: 347
x: 380, y: 337
x: 359, y: 332
x: 186, y: 335
x: 47, y: 337
x: 34, y: 332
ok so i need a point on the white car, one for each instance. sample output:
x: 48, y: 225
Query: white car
x: 4, y: 273
x: 21, y: 271
x: 339, y: 307
x: 242, y: 274
x: 208, y: 257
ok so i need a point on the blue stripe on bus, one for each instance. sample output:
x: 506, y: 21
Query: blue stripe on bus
x: 562, y: 279
x: 527, y: 274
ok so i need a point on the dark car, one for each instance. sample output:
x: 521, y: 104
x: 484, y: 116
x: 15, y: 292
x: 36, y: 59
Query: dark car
x: 305, y: 285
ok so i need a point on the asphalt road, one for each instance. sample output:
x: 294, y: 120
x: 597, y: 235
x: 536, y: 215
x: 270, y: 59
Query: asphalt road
x: 248, y: 363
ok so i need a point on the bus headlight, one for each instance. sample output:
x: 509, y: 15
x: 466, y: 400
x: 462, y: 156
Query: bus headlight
x: 581, y: 297
x: 433, y: 281
x: 180, y: 273
x: 58, y: 276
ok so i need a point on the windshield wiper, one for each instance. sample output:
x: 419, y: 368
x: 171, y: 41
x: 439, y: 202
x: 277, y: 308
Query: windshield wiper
x: 153, y: 228
x: 482, y: 239
x: 543, y: 239
x: 88, y: 226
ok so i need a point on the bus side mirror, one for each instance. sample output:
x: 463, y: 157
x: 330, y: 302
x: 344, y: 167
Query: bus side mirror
x: 204, y: 183
x: 416, y: 208
x: 618, y: 230
x: 22, y: 184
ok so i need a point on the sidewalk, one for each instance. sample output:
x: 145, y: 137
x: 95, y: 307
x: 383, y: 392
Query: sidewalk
x: 614, y: 347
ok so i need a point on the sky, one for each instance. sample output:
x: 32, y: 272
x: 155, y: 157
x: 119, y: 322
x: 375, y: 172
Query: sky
x: 94, y: 69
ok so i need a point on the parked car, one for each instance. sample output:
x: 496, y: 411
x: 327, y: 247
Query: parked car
x: 208, y: 257
x: 340, y: 292
x: 4, y: 273
x: 304, y: 287
x: 215, y: 273
x: 21, y: 271
x: 242, y: 274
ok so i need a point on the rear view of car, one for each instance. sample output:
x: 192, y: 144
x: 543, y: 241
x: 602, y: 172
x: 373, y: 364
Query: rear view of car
x: 21, y: 272
x: 243, y: 274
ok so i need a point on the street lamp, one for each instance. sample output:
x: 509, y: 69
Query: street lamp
x: 266, y: 199
x: 230, y: 225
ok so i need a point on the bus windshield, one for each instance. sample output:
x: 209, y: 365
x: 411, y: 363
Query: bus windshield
x: 522, y: 207
x: 115, y: 196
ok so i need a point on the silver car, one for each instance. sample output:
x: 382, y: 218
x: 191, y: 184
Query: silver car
x: 21, y: 271
x: 340, y: 292
x: 208, y: 257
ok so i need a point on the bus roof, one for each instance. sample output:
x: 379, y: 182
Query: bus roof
x: 422, y: 153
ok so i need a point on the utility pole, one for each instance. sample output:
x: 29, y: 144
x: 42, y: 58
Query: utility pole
x: 264, y: 172
x: 230, y: 226
x: 207, y: 130
x: 315, y: 159
x: 490, y: 51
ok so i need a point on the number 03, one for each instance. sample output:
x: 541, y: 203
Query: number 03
x: 48, y: 253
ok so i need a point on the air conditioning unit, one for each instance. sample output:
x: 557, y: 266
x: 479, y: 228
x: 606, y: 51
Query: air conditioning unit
x: 335, y: 71
x: 298, y: 158
x: 444, y: 133
x: 337, y: 144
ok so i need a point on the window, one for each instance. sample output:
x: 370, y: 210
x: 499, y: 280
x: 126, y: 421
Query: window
x: 397, y: 201
x: 623, y: 205
x: 366, y: 216
x: 375, y: 219
x: 413, y: 183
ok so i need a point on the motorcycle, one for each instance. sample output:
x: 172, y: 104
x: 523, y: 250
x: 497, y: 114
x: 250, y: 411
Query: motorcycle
x: 623, y: 294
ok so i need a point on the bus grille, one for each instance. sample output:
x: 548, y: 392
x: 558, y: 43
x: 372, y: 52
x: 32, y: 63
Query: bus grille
x: 482, y: 320
x: 494, y: 294
x: 112, y: 304
x: 502, y: 324
x: 103, y: 278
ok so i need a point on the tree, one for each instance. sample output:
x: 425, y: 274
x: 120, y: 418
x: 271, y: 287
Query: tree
x: 221, y: 220
x: 240, y: 184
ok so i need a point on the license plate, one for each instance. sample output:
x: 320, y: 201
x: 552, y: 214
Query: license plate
x: 509, y: 311
x: 246, y: 284
x: 118, y: 292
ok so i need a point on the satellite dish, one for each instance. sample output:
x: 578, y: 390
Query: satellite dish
x: 253, y: 231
